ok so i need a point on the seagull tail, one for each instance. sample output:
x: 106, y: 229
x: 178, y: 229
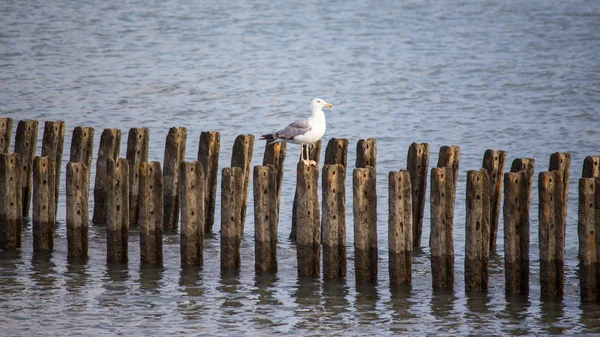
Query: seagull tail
x: 269, y: 136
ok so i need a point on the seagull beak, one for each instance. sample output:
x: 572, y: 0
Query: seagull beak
x: 329, y: 105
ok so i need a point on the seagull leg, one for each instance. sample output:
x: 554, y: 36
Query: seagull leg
x: 310, y: 162
x: 305, y: 160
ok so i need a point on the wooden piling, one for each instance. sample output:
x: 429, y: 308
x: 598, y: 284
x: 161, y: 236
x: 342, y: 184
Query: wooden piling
x: 117, y: 213
x: 365, y: 223
x: 52, y: 146
x: 25, y: 146
x: 449, y: 156
x: 308, y: 235
x: 138, y: 141
x: 400, y: 225
x: 336, y: 152
x: 478, y: 230
x: 562, y: 162
x: 44, y: 213
x: 314, y: 154
x: 418, y: 166
x: 150, y: 218
x: 82, y: 147
x: 208, y: 155
x: 591, y: 167
x: 275, y: 155
x: 191, y: 199
x: 493, y: 162
x: 110, y: 146
x: 174, y: 155
x: 333, y: 225
x: 265, y: 219
x: 366, y: 153
x: 11, y: 216
x: 587, y: 228
x: 527, y: 165
x: 243, y: 148
x: 441, y: 240
x: 232, y: 179
x: 6, y: 125
x: 77, y: 182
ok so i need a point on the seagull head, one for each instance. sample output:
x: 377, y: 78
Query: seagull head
x: 318, y: 104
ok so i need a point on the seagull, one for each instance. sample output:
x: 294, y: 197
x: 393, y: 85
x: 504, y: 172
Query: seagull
x: 305, y: 131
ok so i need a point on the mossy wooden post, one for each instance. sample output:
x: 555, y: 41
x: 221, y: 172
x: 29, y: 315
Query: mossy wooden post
x: 117, y: 212
x: 591, y: 167
x: 265, y: 219
x: 6, y: 125
x: 150, y: 217
x: 366, y: 153
x: 52, y: 146
x: 232, y: 179
x: 314, y: 154
x: 308, y: 235
x: 494, y: 162
x: 208, y: 155
x: 275, y: 155
x: 441, y: 240
x: 44, y: 214
x: 82, y: 147
x: 551, y: 233
x: 191, y: 199
x: 588, y: 228
x: 365, y: 223
x: 138, y: 141
x: 478, y: 231
x: 110, y: 146
x: 174, y: 155
x: 26, y: 145
x: 243, y: 148
x: 77, y: 182
x: 418, y: 166
x: 11, y: 216
x: 400, y: 226
x: 333, y: 226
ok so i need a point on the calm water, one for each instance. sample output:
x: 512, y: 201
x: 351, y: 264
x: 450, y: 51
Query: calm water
x: 519, y: 76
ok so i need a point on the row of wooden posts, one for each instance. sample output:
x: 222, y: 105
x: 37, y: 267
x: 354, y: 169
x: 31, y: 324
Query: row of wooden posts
x: 134, y: 192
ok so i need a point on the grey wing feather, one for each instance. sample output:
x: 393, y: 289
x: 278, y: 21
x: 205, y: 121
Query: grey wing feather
x: 295, y: 129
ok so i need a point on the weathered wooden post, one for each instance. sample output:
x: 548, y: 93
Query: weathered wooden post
x: 494, y: 162
x: 265, y: 218
x: 82, y: 147
x: 562, y: 162
x: 117, y: 212
x: 174, y: 155
x: 6, y: 125
x: 77, y: 182
x: 314, y: 154
x: 208, y: 155
x: 10, y: 200
x: 243, y: 148
x: 441, y: 240
x: 517, y: 198
x: 275, y: 155
x: 138, y: 141
x: 587, y: 228
x: 449, y: 156
x: 333, y: 225
x: 52, y: 147
x: 418, y: 166
x: 232, y: 179
x: 110, y: 146
x: 591, y: 167
x: 336, y: 152
x: 365, y: 223
x: 308, y: 235
x: 400, y: 226
x: 191, y: 196
x: 150, y: 218
x: 366, y: 153
x: 44, y: 214
x: 477, y: 228
x: 25, y: 146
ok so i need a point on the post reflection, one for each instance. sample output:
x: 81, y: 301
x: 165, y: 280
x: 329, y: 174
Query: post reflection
x: 335, y: 303
x: 231, y: 306
x: 552, y: 315
x: 190, y: 281
x: 366, y: 301
x: 442, y: 307
x: 266, y: 304
x: 401, y: 305
x: 307, y: 297
x: 43, y: 270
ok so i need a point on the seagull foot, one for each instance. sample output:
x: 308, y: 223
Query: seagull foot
x: 309, y: 162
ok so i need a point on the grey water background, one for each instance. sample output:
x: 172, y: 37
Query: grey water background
x: 518, y: 76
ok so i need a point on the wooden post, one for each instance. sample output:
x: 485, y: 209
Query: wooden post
x: 110, y: 146
x: 82, y: 147
x: 11, y: 215
x: 275, y: 155
x: 366, y: 153
x: 551, y: 233
x: 493, y: 162
x: 232, y: 179
x: 591, y: 167
x: 150, y: 217
x: 365, y: 223
x: 265, y: 219
x: 314, y: 154
x: 562, y: 162
x: 6, y: 125
x: 418, y: 166
x: 117, y: 213
x: 477, y: 228
x: 337, y: 152
x: 400, y: 225
x: 25, y: 146
x: 524, y: 164
x: 208, y: 155
x: 308, y: 236
x: 243, y: 148
x: 449, y: 156
x: 334, y: 220
x: 191, y: 196
x: 441, y: 240
x: 587, y: 228
x: 44, y: 214
x: 138, y: 141
x: 77, y: 182
x: 174, y: 155
x: 52, y: 146
x: 517, y: 196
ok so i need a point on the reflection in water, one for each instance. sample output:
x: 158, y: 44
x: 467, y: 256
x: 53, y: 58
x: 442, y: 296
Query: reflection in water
x: 150, y: 277
x: 190, y: 281
x: 10, y: 282
x: 366, y: 302
x: 232, y: 305
x: 307, y: 296
x: 517, y: 307
x: 442, y: 307
x: 76, y: 276
x: 478, y: 305
x: 115, y: 280
x: 43, y: 270
x: 590, y: 317
x: 552, y: 316
x: 266, y: 305
x: 335, y: 303
x: 400, y: 308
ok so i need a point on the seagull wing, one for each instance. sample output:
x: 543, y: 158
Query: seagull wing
x: 297, y: 128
